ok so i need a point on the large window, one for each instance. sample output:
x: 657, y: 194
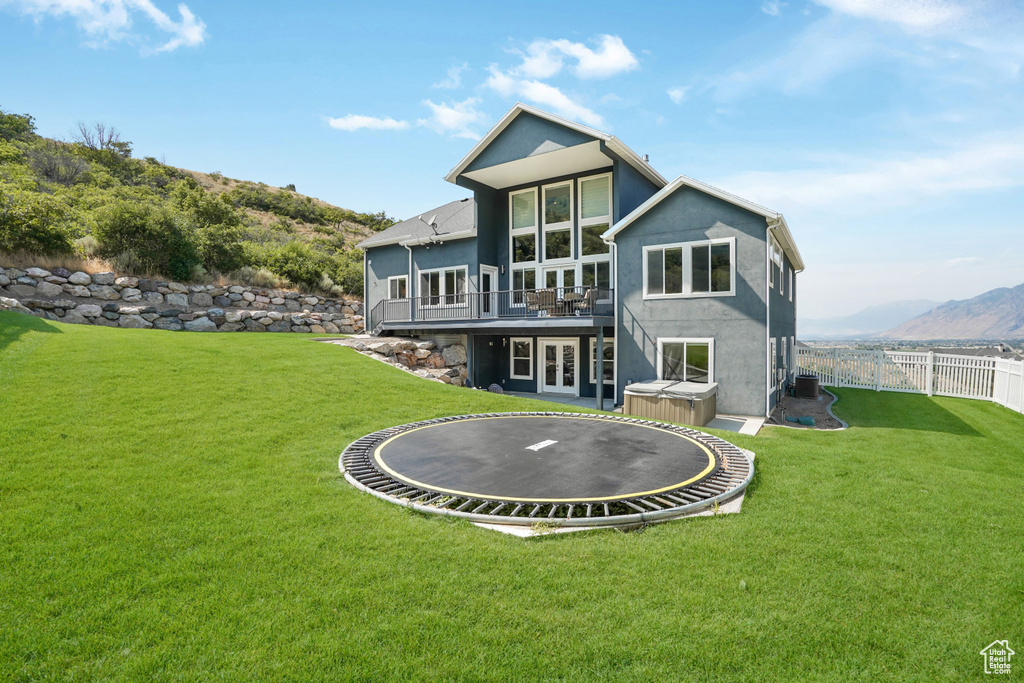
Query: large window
x: 595, y: 217
x: 686, y: 360
x: 690, y: 269
x: 445, y: 286
x: 523, y: 221
x: 398, y: 287
x: 522, y: 278
x: 607, y: 361
x: 522, y: 358
x: 557, y: 221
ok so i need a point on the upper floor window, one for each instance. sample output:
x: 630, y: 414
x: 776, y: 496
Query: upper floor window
x: 595, y: 214
x: 689, y: 269
x: 523, y: 219
x: 445, y: 286
x: 557, y: 221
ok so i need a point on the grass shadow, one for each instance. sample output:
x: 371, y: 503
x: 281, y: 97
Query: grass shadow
x: 15, y: 325
x: 865, y: 408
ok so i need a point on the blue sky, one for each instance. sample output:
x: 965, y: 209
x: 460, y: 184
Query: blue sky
x: 889, y: 132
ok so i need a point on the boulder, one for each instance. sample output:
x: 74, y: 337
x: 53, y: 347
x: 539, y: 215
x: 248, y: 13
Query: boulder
x: 134, y: 322
x: 454, y: 354
x: 89, y: 310
x: 215, y: 313
x: 130, y: 293
x: 330, y: 328
x: 152, y: 297
x: 280, y: 326
x: 177, y: 288
x: 53, y: 279
x: 420, y: 354
x: 203, y: 324
x: 103, y: 278
x: 176, y: 299
x: 75, y: 318
x: 126, y: 281
x: 292, y: 305
x: 167, y: 324
x: 37, y: 272
x: 8, y: 304
x: 62, y: 272
x: 105, y: 292
x: 111, y: 308
x: 253, y: 326
x: 49, y: 289
x: 146, y: 286
x: 346, y: 329
x: 403, y: 345
x: 112, y: 315
x: 457, y: 381
x: 235, y: 316
x: 170, y: 313
x: 249, y: 296
x: 218, y: 291
x: 236, y: 289
x: 382, y: 348
x: 428, y: 345
x: 262, y: 300
x: 291, y: 295
x: 406, y: 358
x: 300, y: 328
x: 23, y: 291
x: 150, y: 317
x: 4, y: 280
x: 231, y: 327
x: 434, y: 360
x: 309, y: 300
x: 80, y: 291
x: 202, y: 299
x: 221, y: 301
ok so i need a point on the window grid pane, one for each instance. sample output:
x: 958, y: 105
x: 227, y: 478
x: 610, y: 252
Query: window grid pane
x: 674, y: 271
x: 594, y: 195
x: 721, y: 268
x: 556, y: 244
x: 524, y: 213
x: 592, y: 242
x: 700, y: 272
x: 524, y: 248
x: 656, y: 271
x: 556, y: 204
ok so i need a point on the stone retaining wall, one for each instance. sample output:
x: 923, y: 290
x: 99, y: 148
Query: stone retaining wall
x: 423, y: 358
x: 106, y: 299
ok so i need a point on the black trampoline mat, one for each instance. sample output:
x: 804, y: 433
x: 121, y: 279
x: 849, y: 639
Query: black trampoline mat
x: 590, y: 459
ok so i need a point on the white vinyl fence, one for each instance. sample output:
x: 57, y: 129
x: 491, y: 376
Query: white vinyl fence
x: 941, y: 374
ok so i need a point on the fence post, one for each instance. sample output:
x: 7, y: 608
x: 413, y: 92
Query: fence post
x: 931, y: 372
x: 836, y: 378
x: 878, y: 369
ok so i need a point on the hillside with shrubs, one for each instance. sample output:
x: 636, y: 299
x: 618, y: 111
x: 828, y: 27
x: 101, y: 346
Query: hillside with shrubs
x: 90, y: 198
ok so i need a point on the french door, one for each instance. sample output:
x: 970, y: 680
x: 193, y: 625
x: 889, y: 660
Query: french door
x: 488, y: 289
x: 558, y: 366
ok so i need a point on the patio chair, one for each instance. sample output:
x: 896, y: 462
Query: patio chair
x: 532, y: 301
x: 548, y: 301
x: 585, y: 304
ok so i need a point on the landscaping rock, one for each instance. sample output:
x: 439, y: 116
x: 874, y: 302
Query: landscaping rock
x: 203, y: 324
x: 330, y: 328
x: 249, y: 296
x: 177, y: 288
x: 4, y: 280
x: 134, y: 322
x: 317, y: 329
x: 80, y: 291
x: 48, y: 289
x: 382, y: 348
x: 80, y: 278
x: 75, y: 318
x: 167, y: 324
x: 428, y: 345
x: 89, y: 310
x: 434, y: 360
x: 112, y: 315
x: 126, y: 281
x: 231, y: 327
x: 111, y: 308
x: 130, y: 294
x: 62, y: 272
x: 8, y: 304
x: 280, y: 326
x: 202, y: 299
x: 103, y: 278
x: 420, y: 354
x: 253, y: 326
x: 107, y: 292
x: 146, y: 286
x: 177, y: 299
x: 22, y: 291
x: 454, y: 354
x: 222, y: 301
x: 37, y: 272
x: 152, y: 297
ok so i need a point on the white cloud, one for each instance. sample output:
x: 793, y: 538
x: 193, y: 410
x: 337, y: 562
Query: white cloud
x: 865, y: 185
x: 545, y: 58
x: 773, y: 8
x: 678, y: 93
x: 916, y: 15
x: 963, y: 261
x: 455, y: 119
x: 454, y: 77
x: 541, y: 93
x: 354, y: 122
x: 108, y: 21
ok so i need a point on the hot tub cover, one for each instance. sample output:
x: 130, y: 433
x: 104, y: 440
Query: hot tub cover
x: 668, y: 388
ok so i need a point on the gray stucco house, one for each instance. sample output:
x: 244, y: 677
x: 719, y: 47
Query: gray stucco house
x: 575, y: 260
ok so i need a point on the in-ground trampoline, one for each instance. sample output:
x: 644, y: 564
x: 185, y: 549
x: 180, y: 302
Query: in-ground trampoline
x: 558, y: 468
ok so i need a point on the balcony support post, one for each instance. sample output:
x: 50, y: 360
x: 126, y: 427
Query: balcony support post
x: 599, y: 367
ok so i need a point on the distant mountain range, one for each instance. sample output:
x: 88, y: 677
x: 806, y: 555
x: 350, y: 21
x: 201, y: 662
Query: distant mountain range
x: 997, y: 314
x: 870, y: 322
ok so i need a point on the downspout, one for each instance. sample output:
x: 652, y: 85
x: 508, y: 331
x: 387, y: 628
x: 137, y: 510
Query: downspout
x: 770, y: 225
x: 615, y: 318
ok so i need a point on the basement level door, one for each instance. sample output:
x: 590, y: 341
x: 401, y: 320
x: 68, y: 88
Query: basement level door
x: 558, y: 366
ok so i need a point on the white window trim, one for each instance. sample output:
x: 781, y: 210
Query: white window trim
x: 593, y: 361
x: 688, y: 269
x: 398, y: 277
x: 710, y: 341
x: 597, y: 220
x: 773, y: 350
x: 512, y: 358
x: 565, y: 225
x: 519, y: 232
x: 791, y: 284
x: 512, y: 282
x: 443, y: 294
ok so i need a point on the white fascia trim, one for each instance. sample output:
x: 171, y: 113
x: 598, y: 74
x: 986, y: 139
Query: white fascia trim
x: 776, y: 221
x: 429, y: 239
x: 613, y: 142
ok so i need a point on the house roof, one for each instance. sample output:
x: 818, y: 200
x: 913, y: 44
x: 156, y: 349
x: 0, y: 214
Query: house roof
x: 776, y: 221
x: 613, y: 143
x: 454, y: 220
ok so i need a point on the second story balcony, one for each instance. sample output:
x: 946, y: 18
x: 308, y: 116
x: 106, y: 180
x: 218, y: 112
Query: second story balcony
x: 555, y: 307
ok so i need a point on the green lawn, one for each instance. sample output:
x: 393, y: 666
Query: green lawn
x: 171, y: 509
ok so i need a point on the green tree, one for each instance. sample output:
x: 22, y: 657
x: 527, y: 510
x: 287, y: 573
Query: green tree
x: 16, y: 126
x: 159, y: 237
x: 35, y: 222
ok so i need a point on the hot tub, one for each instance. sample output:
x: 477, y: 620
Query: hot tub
x: 688, y: 403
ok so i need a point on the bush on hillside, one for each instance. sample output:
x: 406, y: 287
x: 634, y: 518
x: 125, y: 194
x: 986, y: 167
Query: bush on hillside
x: 157, y: 237
x: 34, y: 222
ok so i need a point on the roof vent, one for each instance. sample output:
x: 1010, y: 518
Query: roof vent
x: 647, y: 159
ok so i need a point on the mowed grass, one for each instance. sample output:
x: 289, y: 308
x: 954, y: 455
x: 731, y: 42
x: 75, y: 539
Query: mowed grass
x: 171, y: 509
